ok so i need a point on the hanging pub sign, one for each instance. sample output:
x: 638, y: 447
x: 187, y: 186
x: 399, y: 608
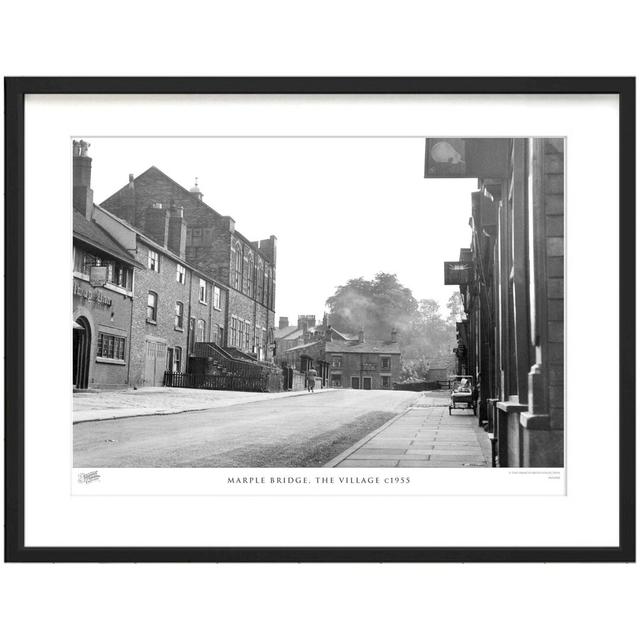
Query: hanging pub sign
x: 458, y: 273
x: 98, y: 276
x: 466, y: 157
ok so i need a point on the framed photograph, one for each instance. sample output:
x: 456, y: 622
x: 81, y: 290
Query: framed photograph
x: 320, y: 319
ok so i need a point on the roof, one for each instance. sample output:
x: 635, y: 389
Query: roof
x: 200, y: 202
x: 287, y: 333
x: 89, y: 232
x: 161, y: 249
x: 305, y: 346
x: 373, y: 346
x: 342, y: 334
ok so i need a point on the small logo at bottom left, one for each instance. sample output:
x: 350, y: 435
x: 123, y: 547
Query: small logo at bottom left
x: 89, y: 476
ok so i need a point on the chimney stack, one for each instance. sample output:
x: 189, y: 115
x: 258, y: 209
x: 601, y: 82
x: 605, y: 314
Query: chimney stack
x: 394, y: 335
x: 128, y: 200
x: 306, y: 322
x: 177, y: 237
x: 156, y: 223
x: 283, y: 322
x: 361, y: 336
x: 82, y: 192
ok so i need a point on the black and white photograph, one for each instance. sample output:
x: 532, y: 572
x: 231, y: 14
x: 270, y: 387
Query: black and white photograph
x: 339, y: 302
x: 357, y: 316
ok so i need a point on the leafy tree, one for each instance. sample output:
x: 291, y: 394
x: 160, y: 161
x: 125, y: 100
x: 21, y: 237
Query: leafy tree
x: 455, y: 307
x: 377, y: 306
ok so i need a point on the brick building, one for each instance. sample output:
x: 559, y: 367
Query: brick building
x: 343, y: 362
x: 512, y: 283
x: 103, y: 280
x: 139, y: 307
x: 215, y: 247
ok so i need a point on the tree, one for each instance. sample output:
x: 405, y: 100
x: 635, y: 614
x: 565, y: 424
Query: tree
x: 376, y: 306
x: 455, y: 307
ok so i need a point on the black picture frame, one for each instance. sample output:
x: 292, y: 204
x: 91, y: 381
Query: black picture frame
x: 15, y: 91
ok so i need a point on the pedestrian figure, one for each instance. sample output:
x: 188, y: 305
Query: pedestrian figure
x: 311, y: 379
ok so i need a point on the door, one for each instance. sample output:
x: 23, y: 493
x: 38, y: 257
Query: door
x: 81, y: 353
x: 355, y: 382
x: 154, y: 364
x: 366, y: 383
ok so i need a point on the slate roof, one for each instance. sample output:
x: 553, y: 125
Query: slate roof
x: 305, y: 346
x: 373, y: 346
x: 94, y: 235
x: 199, y: 202
x: 287, y: 333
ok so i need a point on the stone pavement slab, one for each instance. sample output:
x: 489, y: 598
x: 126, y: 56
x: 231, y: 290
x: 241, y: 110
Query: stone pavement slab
x: 422, y: 436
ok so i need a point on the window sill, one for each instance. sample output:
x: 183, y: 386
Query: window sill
x: 203, y: 303
x: 151, y: 321
x: 118, y: 289
x: 122, y: 363
x: 178, y: 329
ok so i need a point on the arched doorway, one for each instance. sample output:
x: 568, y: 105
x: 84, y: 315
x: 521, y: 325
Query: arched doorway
x: 81, y: 352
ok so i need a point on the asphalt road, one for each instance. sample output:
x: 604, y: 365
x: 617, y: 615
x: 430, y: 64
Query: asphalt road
x: 273, y: 432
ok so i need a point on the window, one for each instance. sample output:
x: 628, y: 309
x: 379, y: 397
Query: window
x: 247, y: 334
x: 260, y: 281
x: 250, y: 276
x: 152, y: 307
x: 179, y: 319
x: 177, y: 360
x: 336, y: 380
x: 386, y: 362
x: 200, y: 334
x: 336, y: 362
x: 267, y: 285
x: 111, y: 347
x: 181, y: 274
x: 386, y: 382
x: 118, y: 274
x: 203, y: 291
x: 236, y: 257
x: 154, y: 261
x: 234, y: 332
x: 221, y: 336
x: 216, y: 297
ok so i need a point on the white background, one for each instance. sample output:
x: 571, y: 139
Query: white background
x: 325, y: 601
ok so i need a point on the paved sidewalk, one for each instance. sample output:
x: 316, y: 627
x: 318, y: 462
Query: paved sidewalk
x: 107, y: 405
x: 422, y: 436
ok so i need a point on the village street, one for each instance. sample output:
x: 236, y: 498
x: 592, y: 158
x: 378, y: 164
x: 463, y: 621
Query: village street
x: 272, y: 430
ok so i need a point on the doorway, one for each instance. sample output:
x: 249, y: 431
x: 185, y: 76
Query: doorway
x: 366, y: 383
x: 81, y: 353
x: 154, y: 363
x: 355, y: 382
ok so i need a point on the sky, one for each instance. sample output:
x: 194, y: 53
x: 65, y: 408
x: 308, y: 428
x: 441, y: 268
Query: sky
x: 340, y: 208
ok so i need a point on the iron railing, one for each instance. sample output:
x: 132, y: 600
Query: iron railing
x: 217, y: 382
